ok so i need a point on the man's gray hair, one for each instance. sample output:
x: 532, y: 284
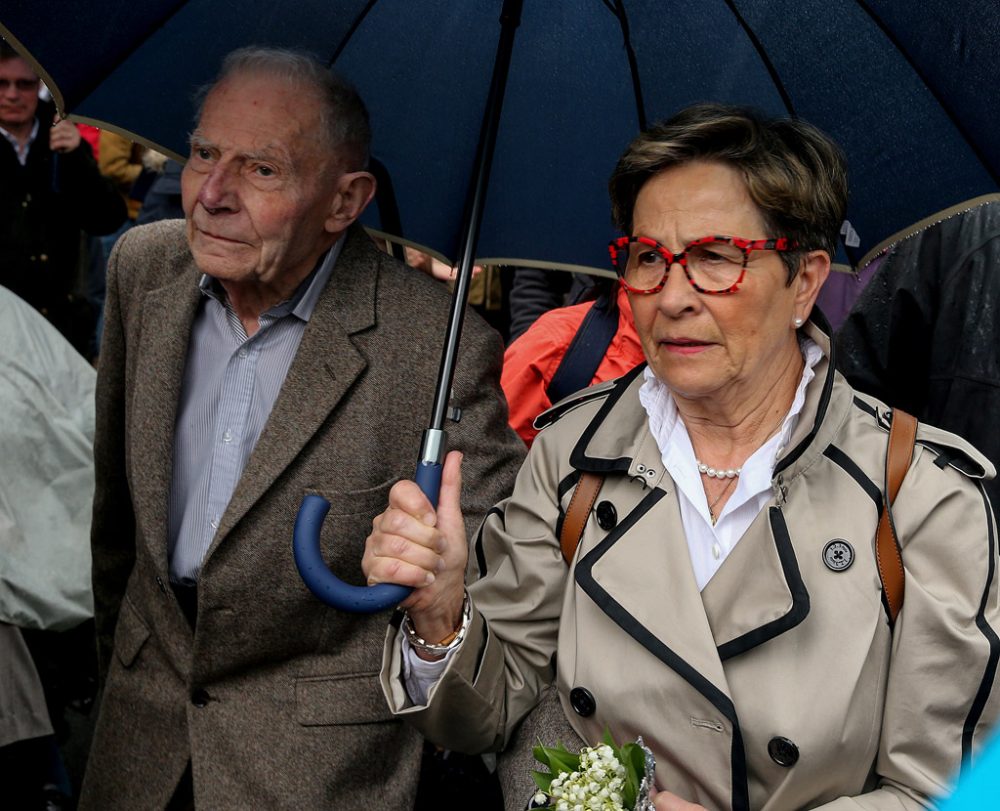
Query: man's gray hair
x: 343, y: 115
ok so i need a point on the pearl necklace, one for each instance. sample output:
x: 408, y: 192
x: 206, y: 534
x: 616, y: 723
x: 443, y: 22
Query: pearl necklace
x: 712, y: 473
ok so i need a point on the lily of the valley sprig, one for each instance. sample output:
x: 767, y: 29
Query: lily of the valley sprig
x: 601, y: 778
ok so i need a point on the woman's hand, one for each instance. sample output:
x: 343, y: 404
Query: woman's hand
x: 666, y: 801
x: 414, y: 545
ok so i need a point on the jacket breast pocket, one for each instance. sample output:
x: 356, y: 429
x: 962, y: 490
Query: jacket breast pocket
x: 346, y: 503
x: 131, y: 633
x: 347, y: 525
x: 350, y: 698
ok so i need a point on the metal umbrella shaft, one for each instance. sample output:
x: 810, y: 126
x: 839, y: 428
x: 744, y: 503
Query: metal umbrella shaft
x: 323, y: 583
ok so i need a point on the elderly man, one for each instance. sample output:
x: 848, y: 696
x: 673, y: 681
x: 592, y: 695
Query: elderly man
x: 50, y: 189
x: 259, y: 350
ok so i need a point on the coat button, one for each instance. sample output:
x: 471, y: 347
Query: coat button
x: 838, y: 555
x: 607, y: 516
x: 783, y: 751
x: 200, y: 697
x: 582, y: 700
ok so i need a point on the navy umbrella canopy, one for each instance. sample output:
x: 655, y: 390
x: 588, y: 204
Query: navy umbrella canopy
x: 905, y: 88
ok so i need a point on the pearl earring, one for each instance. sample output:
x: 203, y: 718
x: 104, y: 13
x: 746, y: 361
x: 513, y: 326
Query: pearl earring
x: 798, y: 322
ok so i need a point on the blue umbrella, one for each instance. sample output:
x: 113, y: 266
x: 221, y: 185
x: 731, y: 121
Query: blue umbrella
x: 906, y: 89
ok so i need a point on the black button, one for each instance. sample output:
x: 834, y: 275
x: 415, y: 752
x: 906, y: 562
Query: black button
x: 200, y: 697
x: 838, y: 555
x: 582, y: 701
x: 607, y: 516
x: 783, y: 751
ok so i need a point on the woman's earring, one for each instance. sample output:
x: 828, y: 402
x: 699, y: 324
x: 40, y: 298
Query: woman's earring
x: 798, y: 322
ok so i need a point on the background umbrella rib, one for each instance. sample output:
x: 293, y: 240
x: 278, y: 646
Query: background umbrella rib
x: 360, y: 18
x: 640, y: 106
x: 764, y: 58
x: 942, y: 102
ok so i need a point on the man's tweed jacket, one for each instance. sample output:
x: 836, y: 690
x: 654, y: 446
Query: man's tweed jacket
x: 275, y: 698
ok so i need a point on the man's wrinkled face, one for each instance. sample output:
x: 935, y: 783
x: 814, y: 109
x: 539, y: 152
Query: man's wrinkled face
x: 18, y: 94
x: 260, y: 184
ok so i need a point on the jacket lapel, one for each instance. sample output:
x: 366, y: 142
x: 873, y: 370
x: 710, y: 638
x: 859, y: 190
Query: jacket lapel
x: 324, y: 369
x: 167, y: 315
x: 640, y: 574
x: 757, y: 593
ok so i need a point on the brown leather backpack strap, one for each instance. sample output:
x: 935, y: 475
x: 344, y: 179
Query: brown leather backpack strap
x: 580, y: 505
x: 888, y: 555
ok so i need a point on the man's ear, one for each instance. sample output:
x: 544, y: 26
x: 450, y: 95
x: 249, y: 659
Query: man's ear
x: 354, y: 191
x: 813, y: 272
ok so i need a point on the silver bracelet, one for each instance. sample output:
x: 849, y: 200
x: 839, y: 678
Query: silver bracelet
x: 449, y: 643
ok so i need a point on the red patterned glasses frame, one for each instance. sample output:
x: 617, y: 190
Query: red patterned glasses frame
x: 714, y: 265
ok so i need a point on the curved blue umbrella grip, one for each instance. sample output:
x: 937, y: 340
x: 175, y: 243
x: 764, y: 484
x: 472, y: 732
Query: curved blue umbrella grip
x: 323, y: 583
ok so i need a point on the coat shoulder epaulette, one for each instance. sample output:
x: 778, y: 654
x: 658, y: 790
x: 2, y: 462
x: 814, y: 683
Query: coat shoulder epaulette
x: 949, y: 449
x: 573, y: 401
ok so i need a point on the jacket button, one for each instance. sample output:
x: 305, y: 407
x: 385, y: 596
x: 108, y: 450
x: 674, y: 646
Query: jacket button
x: 783, y: 751
x: 607, y: 516
x: 838, y: 555
x: 200, y: 697
x: 582, y: 700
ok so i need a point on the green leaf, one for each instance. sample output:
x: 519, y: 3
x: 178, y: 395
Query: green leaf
x: 543, y: 780
x: 557, y: 758
x: 634, y: 760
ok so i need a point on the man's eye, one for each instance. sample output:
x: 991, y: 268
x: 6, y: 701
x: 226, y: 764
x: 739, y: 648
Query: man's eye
x: 265, y: 171
x: 203, y: 153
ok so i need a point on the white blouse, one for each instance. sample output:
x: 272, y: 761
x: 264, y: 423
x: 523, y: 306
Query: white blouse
x: 709, y: 545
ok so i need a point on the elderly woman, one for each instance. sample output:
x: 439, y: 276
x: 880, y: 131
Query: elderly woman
x: 724, y: 601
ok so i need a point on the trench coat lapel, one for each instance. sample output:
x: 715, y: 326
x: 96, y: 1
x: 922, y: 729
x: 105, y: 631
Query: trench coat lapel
x: 640, y: 574
x: 758, y: 592
x: 647, y: 571
x: 324, y: 369
x: 168, y: 313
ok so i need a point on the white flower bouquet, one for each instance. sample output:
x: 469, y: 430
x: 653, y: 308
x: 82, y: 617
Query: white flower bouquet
x: 600, y: 778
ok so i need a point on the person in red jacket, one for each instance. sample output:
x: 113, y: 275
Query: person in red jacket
x: 532, y: 361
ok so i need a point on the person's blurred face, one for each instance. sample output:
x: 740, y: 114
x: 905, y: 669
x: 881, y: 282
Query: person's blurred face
x: 260, y: 185
x: 708, y: 346
x: 18, y: 95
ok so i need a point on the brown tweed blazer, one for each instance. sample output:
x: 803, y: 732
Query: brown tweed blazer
x: 275, y: 698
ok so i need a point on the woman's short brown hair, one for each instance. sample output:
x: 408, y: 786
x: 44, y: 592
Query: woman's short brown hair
x: 794, y: 173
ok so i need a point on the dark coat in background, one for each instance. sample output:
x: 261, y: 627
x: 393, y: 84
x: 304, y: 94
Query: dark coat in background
x: 925, y: 334
x: 275, y: 698
x: 44, y: 205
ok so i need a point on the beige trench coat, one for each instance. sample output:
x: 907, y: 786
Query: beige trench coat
x: 780, y: 685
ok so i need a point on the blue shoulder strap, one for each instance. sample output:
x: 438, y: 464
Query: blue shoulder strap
x: 586, y: 351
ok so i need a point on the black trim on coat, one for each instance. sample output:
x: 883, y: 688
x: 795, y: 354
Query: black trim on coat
x: 480, y: 551
x: 866, y: 407
x: 616, y: 612
x: 841, y: 459
x: 824, y: 400
x: 986, y: 685
x: 578, y: 458
x: 800, y: 595
x: 554, y: 413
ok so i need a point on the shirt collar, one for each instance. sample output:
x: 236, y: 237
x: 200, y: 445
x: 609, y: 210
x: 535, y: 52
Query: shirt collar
x: 672, y: 438
x: 303, y: 300
x: 21, y: 151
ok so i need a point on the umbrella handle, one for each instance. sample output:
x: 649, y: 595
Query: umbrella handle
x: 323, y: 583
